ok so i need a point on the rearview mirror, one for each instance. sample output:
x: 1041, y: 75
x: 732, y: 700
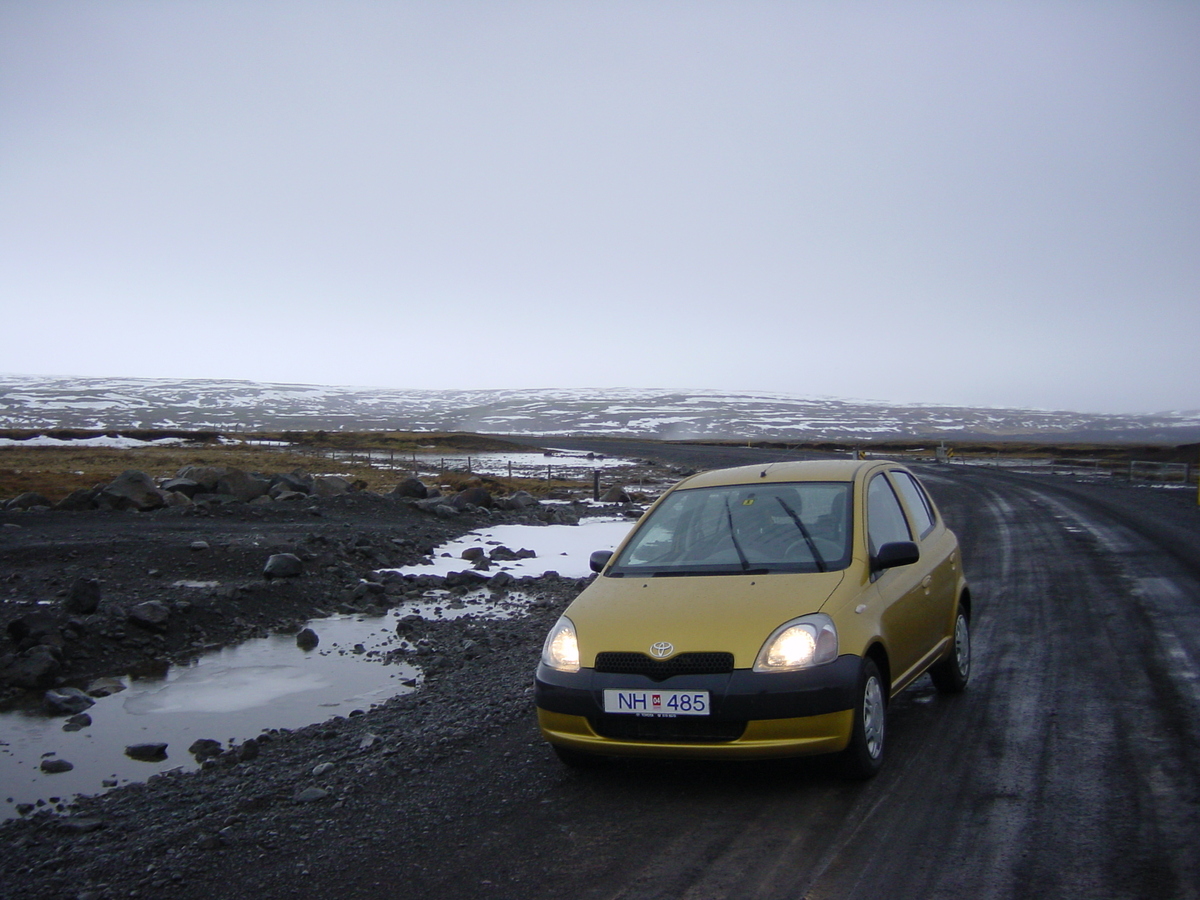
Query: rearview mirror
x: 599, y: 559
x: 897, y: 553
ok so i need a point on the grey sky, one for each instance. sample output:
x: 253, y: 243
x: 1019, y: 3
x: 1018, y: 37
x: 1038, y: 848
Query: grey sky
x: 981, y: 203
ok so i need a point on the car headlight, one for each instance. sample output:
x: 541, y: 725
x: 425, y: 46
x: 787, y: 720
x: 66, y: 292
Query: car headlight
x: 799, y: 644
x: 561, y: 650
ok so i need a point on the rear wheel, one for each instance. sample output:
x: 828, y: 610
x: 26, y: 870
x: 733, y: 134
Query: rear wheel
x: 950, y: 676
x: 864, y: 755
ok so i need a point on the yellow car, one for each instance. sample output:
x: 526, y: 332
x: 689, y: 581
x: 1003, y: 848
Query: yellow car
x: 762, y: 611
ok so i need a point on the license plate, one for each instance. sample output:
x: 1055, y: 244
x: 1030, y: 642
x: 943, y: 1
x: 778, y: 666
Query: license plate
x: 657, y: 703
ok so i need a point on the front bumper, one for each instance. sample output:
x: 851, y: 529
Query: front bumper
x: 754, y: 715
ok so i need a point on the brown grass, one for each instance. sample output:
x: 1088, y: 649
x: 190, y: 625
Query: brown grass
x: 55, y: 472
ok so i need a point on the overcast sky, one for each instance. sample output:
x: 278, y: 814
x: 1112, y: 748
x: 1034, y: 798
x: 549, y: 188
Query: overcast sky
x: 994, y: 204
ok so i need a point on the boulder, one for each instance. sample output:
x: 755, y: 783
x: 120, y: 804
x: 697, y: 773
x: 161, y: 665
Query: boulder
x: 80, y: 499
x: 84, y: 596
x: 205, y: 476
x: 283, y: 565
x: 37, y: 667
x: 28, y: 500
x: 152, y: 614
x: 66, y: 701
x: 307, y: 639
x: 475, y: 496
x: 205, y: 748
x: 54, y: 766
x: 329, y: 485
x: 519, y: 500
x: 615, y: 495
x: 412, y: 488
x: 32, y: 628
x: 242, y: 485
x: 131, y: 490
x: 186, y: 486
x: 147, y: 752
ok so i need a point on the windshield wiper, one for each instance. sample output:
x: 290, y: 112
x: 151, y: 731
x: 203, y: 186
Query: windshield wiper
x: 812, y: 547
x: 733, y: 537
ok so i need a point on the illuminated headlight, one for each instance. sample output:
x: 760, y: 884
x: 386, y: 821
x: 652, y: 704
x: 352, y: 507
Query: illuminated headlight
x: 561, y: 650
x: 799, y: 644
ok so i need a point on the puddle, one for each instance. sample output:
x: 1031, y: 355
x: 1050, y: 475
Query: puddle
x: 236, y: 693
x: 227, y: 695
x: 564, y: 549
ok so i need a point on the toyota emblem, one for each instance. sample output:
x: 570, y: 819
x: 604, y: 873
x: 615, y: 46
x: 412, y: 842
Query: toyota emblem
x: 662, y: 649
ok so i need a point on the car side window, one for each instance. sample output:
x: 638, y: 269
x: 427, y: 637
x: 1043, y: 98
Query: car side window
x: 885, y: 518
x: 918, y: 503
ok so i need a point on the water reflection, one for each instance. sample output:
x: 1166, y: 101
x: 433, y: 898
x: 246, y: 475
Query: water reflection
x: 227, y: 695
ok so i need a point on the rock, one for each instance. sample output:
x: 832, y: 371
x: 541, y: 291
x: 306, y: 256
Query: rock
x: 176, y: 499
x: 79, y: 824
x: 518, y: 500
x: 66, y: 701
x: 153, y: 752
x: 131, y: 490
x: 199, y: 546
x: 614, y: 495
x: 242, y: 485
x: 79, y: 499
x: 205, y: 748
x: 310, y: 794
x: 55, y: 766
x: 205, y: 476
x: 186, y: 486
x: 29, y: 500
x: 475, y: 496
x: 474, y: 553
x: 410, y: 487
x: 248, y: 751
x: 466, y: 579
x: 34, y: 668
x: 283, y: 565
x: 501, y: 580
x: 77, y: 722
x: 33, y: 628
x: 329, y: 485
x: 321, y: 768
x: 296, y: 483
x: 84, y: 596
x: 290, y: 496
x: 307, y: 639
x: 153, y: 614
x: 504, y: 554
x: 103, y: 687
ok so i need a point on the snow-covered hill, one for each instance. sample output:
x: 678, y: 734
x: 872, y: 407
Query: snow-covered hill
x: 113, y: 403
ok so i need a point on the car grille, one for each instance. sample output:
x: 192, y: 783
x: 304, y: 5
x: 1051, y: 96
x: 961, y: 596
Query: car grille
x: 660, y: 669
x: 680, y: 728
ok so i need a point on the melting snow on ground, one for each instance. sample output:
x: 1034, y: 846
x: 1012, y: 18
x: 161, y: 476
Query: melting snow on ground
x: 564, y: 549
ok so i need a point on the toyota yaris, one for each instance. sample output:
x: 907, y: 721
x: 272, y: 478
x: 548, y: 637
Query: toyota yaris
x: 762, y: 611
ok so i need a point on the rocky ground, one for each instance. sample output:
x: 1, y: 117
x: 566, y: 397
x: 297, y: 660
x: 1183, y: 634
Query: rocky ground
x: 91, y: 593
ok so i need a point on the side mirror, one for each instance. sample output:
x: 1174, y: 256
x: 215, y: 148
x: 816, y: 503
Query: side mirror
x: 897, y: 553
x: 599, y: 559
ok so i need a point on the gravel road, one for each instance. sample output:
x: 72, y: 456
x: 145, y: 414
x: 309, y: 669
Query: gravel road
x: 1070, y: 768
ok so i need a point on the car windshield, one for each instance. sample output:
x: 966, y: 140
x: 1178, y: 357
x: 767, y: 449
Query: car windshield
x: 735, y: 529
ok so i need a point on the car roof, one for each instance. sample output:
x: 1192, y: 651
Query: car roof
x: 767, y: 472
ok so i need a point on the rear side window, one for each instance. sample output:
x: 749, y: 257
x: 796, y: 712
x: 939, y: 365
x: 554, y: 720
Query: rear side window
x: 915, y: 499
x: 885, y: 518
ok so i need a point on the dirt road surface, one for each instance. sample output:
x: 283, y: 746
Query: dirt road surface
x: 1070, y: 768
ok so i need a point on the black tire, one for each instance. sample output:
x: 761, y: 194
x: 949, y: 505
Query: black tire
x: 575, y: 759
x: 951, y: 674
x: 863, y: 757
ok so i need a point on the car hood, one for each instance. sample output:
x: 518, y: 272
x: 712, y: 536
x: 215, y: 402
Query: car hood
x: 731, y: 613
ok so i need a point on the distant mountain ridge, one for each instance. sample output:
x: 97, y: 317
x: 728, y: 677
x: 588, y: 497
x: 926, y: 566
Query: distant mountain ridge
x: 29, y: 402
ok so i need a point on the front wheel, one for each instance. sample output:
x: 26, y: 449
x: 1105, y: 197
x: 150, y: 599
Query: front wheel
x: 864, y: 755
x: 950, y: 676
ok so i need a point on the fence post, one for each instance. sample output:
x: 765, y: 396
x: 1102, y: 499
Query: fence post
x: 596, y: 484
